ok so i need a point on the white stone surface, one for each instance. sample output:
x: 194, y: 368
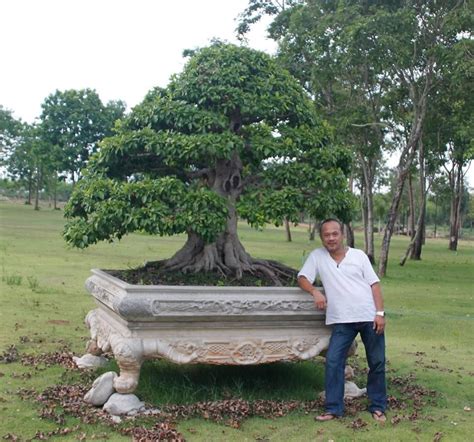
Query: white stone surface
x: 102, y: 389
x: 90, y: 361
x: 351, y: 391
x: 123, y: 404
x: 348, y: 373
x: 116, y: 419
x: 193, y: 324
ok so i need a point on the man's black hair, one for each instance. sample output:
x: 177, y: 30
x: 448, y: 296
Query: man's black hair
x: 328, y: 220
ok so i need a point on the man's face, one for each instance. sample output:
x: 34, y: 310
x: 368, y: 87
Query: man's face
x: 332, y: 236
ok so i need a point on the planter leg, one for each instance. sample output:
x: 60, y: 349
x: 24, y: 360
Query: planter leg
x: 93, y: 346
x: 129, y: 374
x: 129, y: 356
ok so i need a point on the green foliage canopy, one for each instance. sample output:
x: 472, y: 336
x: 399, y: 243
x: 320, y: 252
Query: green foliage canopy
x: 233, y: 133
x: 75, y: 121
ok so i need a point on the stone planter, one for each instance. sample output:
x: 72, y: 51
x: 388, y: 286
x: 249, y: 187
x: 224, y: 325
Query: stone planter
x: 200, y: 324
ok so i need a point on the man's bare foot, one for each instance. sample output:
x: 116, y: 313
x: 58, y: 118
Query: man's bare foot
x: 379, y: 416
x: 325, y: 417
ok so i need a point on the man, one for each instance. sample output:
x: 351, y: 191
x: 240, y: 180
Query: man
x: 354, y: 304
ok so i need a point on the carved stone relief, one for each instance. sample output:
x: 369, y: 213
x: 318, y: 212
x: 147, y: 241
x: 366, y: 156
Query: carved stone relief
x: 131, y: 341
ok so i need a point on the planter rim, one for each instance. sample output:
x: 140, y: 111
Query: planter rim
x: 139, y: 288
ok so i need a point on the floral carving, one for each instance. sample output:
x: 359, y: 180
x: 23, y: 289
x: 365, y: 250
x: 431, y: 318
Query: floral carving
x: 233, y: 307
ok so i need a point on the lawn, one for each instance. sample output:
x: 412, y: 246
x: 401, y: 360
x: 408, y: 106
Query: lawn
x: 430, y: 307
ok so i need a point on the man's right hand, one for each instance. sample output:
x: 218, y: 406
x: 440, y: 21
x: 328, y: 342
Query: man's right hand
x: 319, y: 300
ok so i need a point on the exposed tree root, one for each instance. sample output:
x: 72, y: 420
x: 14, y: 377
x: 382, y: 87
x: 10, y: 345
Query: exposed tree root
x: 226, y: 256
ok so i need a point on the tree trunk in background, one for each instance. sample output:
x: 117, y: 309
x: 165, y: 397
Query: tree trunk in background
x: 404, y: 164
x: 349, y: 232
x: 37, y: 189
x: 55, y: 191
x: 288, y: 231
x: 403, y: 169
x: 368, y: 206
x: 370, y: 227
x: 392, y: 217
x: 312, y: 233
x: 30, y: 190
x: 419, y: 237
x: 456, y: 184
x: 363, y: 209
x: 411, y: 205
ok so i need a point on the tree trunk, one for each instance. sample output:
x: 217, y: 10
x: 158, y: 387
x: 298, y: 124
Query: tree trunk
x: 287, y: 230
x: 38, y: 184
x: 456, y: 183
x: 368, y: 207
x: 363, y: 209
x: 370, y: 227
x: 55, y: 191
x: 388, y: 231
x: 226, y: 255
x: 30, y: 189
x: 404, y: 164
x: 416, y: 239
x: 411, y: 205
x: 419, y: 237
x: 312, y: 233
x: 349, y: 231
x: 403, y: 169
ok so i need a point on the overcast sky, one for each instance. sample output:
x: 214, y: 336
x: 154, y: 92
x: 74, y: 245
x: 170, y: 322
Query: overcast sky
x: 121, y: 48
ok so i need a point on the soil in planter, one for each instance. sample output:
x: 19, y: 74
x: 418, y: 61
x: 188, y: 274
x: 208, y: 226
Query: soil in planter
x: 153, y: 274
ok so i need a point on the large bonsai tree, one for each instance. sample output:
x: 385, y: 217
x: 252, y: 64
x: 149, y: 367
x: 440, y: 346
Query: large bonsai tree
x: 233, y: 135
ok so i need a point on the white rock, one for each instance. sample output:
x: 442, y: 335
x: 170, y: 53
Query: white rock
x: 351, y: 390
x: 348, y: 372
x: 152, y: 412
x: 120, y: 404
x: 102, y: 389
x: 116, y: 419
x: 90, y: 361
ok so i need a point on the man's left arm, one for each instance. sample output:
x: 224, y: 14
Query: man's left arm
x: 379, y: 321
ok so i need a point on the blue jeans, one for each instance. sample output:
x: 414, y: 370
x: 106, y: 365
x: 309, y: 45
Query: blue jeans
x: 341, y: 339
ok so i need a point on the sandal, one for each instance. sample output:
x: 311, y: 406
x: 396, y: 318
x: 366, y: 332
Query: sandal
x: 326, y: 417
x: 379, y: 416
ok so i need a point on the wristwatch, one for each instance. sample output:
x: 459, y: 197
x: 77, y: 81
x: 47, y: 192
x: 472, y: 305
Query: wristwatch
x: 380, y: 313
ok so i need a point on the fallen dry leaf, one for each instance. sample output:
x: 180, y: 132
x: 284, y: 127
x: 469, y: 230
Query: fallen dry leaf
x: 10, y: 355
x: 357, y: 424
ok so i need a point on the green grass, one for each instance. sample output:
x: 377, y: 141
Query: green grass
x: 430, y: 306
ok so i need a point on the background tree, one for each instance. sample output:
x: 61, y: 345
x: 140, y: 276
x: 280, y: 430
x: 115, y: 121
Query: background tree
x: 332, y: 51
x: 75, y: 121
x: 10, y: 130
x: 453, y: 110
x: 383, y: 56
x: 15, y: 151
x: 232, y: 135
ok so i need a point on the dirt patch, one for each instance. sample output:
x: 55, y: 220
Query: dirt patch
x: 58, y: 322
